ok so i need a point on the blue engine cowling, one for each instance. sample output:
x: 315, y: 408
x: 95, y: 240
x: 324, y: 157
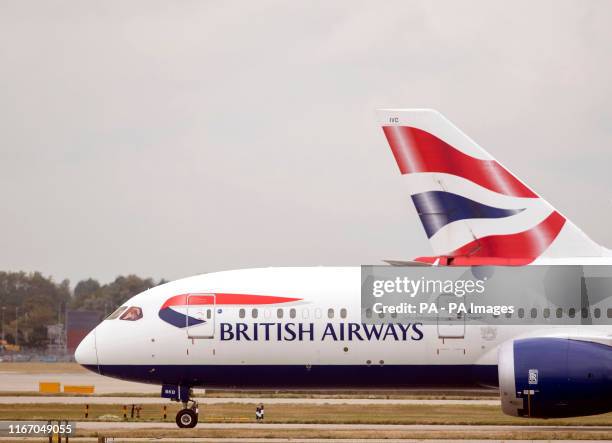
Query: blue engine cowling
x: 555, y: 377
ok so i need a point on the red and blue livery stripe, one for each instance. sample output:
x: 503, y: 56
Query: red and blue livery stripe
x: 517, y: 249
x: 437, y: 209
x: 169, y: 314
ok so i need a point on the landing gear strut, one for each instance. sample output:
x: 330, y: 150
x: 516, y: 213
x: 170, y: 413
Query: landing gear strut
x: 188, y: 416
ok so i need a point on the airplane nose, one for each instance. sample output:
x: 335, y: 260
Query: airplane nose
x: 86, y: 353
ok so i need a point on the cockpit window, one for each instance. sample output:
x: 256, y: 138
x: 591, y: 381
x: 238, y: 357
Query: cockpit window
x: 132, y: 314
x: 116, y: 313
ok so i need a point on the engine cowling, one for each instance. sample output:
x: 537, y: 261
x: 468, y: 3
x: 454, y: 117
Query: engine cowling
x: 555, y: 377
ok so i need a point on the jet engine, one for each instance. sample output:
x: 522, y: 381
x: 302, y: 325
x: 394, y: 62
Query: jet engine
x: 551, y: 377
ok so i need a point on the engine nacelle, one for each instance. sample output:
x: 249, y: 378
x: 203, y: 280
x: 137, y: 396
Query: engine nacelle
x: 555, y: 377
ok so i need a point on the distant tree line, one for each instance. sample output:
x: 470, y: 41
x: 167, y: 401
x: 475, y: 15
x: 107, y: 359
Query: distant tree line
x: 33, y: 301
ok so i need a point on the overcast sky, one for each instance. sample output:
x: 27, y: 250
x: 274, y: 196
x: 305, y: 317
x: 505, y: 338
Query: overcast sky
x: 173, y: 138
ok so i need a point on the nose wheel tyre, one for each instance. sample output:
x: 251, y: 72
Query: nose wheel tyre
x: 186, y: 418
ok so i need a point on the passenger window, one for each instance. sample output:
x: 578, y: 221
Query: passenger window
x: 292, y: 313
x: 132, y: 314
x: 279, y: 313
x: 242, y: 313
x: 609, y: 312
x: 208, y: 314
x: 330, y: 313
x: 342, y: 313
x: 508, y: 314
x: 305, y: 313
x: 116, y: 313
x: 318, y: 313
x: 254, y: 313
x: 266, y: 313
x: 597, y: 312
x: 534, y: 312
x: 368, y: 313
x: 571, y: 312
x: 521, y: 313
x: 559, y: 312
x: 546, y: 312
x: 584, y: 312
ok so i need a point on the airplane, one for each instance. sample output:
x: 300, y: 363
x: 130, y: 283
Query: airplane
x: 304, y: 328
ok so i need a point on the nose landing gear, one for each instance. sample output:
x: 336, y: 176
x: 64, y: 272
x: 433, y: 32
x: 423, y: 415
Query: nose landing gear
x: 188, y: 416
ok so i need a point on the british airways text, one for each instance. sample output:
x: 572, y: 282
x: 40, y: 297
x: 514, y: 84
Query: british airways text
x: 331, y: 332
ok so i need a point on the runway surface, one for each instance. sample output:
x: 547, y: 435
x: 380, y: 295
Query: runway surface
x: 242, y: 400
x: 89, y: 425
x: 487, y: 431
x: 293, y: 440
x: 28, y: 382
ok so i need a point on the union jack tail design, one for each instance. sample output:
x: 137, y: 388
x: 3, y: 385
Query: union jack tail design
x: 473, y: 210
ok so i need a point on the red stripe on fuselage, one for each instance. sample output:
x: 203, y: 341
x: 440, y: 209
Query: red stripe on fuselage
x: 416, y: 150
x: 226, y: 299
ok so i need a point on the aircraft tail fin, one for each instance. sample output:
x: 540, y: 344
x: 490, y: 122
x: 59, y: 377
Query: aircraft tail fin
x: 473, y: 210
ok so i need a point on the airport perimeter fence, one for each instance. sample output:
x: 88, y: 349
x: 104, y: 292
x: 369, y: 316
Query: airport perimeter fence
x: 35, y: 356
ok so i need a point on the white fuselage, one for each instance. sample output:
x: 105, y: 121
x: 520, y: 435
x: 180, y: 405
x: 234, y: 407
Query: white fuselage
x: 315, y: 327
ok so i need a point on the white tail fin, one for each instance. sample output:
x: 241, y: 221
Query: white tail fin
x: 473, y: 210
